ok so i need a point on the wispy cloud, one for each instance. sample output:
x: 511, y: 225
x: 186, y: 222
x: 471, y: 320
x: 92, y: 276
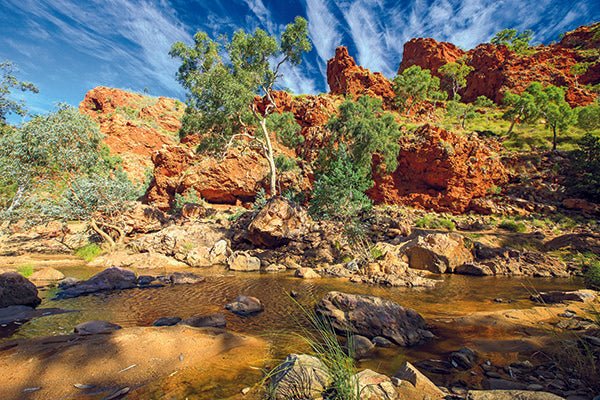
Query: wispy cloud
x: 323, y: 29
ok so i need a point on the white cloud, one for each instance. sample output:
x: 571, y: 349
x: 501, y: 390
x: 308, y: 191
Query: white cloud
x: 323, y: 29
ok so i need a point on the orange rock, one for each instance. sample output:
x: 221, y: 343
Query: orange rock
x: 134, y: 125
x: 429, y: 54
x: 348, y: 79
x: 439, y: 170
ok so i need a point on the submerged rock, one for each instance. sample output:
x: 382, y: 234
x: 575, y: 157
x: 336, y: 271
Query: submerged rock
x: 245, y: 305
x: 510, y: 395
x: 559, y: 296
x: 96, y: 327
x: 166, y: 321
x: 300, y: 376
x: 216, y: 320
x: 15, y: 289
x: 110, y: 279
x: 373, y: 316
x: 46, y: 276
x: 183, y: 278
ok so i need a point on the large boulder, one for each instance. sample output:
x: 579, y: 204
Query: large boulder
x: 277, y: 223
x: 300, y: 376
x: 110, y: 279
x: 372, y: 316
x: 242, y: 261
x: 440, y: 170
x: 15, y: 289
x: 46, y: 276
x: 438, y: 252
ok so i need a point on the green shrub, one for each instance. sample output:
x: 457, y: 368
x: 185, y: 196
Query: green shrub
x: 592, y: 275
x: 26, y: 270
x: 513, y: 226
x: 483, y: 101
x: 190, y: 197
x: 433, y: 222
x: 88, y: 252
x: 284, y: 163
x: 261, y: 199
x: 585, y: 165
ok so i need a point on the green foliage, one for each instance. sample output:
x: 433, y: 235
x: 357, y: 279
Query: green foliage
x: 483, y: 101
x: 585, y: 180
x: 580, y: 68
x: 260, y: 200
x: 286, y: 128
x: 415, y: 85
x: 525, y: 107
x: 592, y: 275
x: 339, y: 192
x: 433, y: 222
x: 26, y: 270
x: 366, y: 130
x: 456, y: 73
x: 463, y: 112
x: 513, y: 39
x: 557, y: 112
x: 588, y: 117
x: 513, y: 226
x: 285, y: 163
x: 190, y: 197
x: 88, y: 252
x: 9, y: 83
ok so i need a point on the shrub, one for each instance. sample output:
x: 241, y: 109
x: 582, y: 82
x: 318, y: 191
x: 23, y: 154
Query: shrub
x: 26, y: 270
x: 190, y: 197
x: 260, y: 200
x: 585, y: 164
x: 513, y: 226
x: 432, y: 222
x: 284, y: 163
x: 588, y: 117
x: 483, y: 101
x: 88, y: 252
x: 286, y: 128
x: 592, y: 274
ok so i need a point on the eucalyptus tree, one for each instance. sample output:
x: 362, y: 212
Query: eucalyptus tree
x: 8, y: 84
x: 223, y: 78
x: 414, y: 85
x: 456, y: 73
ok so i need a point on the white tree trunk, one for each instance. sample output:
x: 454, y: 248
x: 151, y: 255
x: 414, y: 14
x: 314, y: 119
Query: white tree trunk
x: 270, y: 157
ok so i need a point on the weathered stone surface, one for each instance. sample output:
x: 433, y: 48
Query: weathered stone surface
x: 440, y: 170
x: 278, y: 222
x: 216, y: 320
x: 375, y: 386
x: 559, y: 296
x: 510, y: 395
x: 360, y: 346
x: 17, y: 290
x: 415, y: 385
x: 183, y: 278
x: 575, y: 241
x: 300, y: 376
x: 166, y: 321
x: 307, y: 273
x: 438, y: 252
x: 46, y: 276
x: 242, y: 261
x: 110, y: 279
x: 245, y: 305
x: 95, y: 327
x: 373, y: 316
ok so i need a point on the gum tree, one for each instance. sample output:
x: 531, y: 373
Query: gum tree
x: 456, y: 73
x: 415, y: 85
x: 8, y: 84
x: 223, y: 78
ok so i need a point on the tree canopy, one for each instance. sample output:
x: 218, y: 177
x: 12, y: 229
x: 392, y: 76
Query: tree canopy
x: 415, y: 85
x: 223, y: 77
x: 8, y: 84
x: 513, y: 39
x: 456, y: 73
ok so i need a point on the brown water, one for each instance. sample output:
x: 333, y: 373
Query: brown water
x: 282, y: 319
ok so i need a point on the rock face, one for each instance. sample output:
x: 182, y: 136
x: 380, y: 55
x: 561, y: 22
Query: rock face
x: 373, y: 316
x: 440, y: 170
x: 497, y: 69
x: 438, y: 252
x: 300, y: 376
x: 134, y: 125
x: 348, y: 79
x: 17, y: 290
x: 277, y: 223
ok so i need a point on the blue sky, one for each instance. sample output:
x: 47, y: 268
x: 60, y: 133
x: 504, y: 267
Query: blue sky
x: 67, y: 47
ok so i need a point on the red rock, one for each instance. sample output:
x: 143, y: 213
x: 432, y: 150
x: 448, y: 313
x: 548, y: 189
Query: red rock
x: 348, y: 79
x: 440, y: 170
x: 429, y: 54
x: 134, y: 125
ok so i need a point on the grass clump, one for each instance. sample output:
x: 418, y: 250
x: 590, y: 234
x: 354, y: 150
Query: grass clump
x: 26, y: 270
x: 513, y: 226
x: 592, y: 275
x: 433, y: 222
x: 88, y: 252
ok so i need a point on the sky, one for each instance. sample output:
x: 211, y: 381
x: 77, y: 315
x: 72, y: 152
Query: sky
x: 67, y: 47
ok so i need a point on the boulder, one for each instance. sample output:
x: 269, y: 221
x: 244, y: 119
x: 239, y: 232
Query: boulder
x: 96, y: 327
x: 375, y: 386
x: 438, y: 252
x: 510, y: 395
x: 245, y: 305
x: 300, y: 376
x: 110, y: 279
x: 183, y: 278
x: 415, y: 385
x: 360, y: 346
x: 166, y: 321
x: 373, y: 316
x: 12, y: 314
x: 582, y: 242
x: 242, y: 261
x: 559, y: 296
x: 275, y: 268
x: 277, y: 223
x: 46, y: 276
x: 15, y: 289
x: 464, y: 358
x: 216, y: 320
x: 306, y: 273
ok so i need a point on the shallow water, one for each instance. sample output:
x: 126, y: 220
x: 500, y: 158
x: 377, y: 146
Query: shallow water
x: 282, y: 319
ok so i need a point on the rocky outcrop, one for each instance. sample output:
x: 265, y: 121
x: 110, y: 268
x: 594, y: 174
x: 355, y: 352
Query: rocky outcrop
x: 278, y: 222
x: 371, y: 316
x: 440, y: 170
x: 497, y: 69
x: 346, y: 78
x: 134, y: 125
x: 16, y: 290
x: 437, y: 252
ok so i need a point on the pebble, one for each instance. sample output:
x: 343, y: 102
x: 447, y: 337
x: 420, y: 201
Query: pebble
x: 245, y: 390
